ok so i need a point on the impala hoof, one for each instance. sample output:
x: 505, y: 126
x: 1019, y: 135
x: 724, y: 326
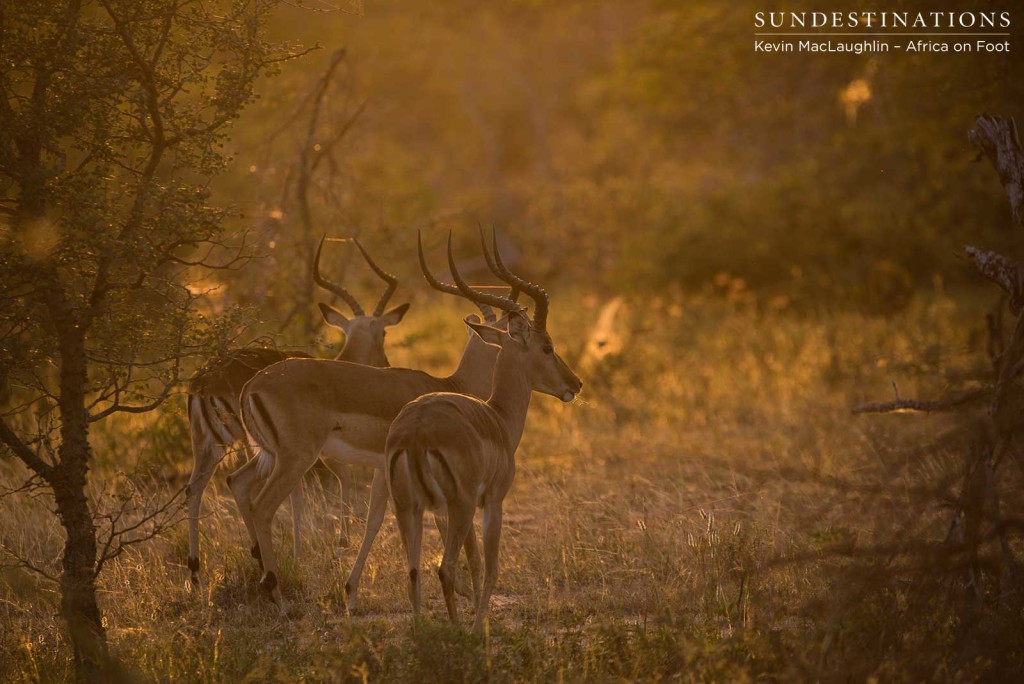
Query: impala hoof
x: 351, y: 599
x: 193, y: 565
x: 255, y: 551
x: 269, y: 583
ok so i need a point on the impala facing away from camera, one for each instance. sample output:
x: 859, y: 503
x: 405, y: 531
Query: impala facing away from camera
x: 452, y: 453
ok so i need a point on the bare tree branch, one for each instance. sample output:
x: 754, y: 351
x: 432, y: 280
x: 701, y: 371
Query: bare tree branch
x: 914, y: 405
x: 997, y: 139
x: 328, y: 148
x: 22, y: 562
x: 158, y: 519
x: 234, y: 262
x: 1000, y: 270
x: 355, y: 7
x: 23, y: 452
x: 31, y: 486
x: 161, y: 396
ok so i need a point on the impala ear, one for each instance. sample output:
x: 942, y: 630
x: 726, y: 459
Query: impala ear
x: 394, y: 315
x: 485, y: 332
x: 518, y: 327
x: 333, y: 317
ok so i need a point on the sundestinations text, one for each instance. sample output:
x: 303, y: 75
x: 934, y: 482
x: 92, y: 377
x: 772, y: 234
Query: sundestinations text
x: 882, y: 20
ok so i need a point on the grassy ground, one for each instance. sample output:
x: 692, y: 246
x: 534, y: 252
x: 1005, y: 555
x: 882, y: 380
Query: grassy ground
x: 711, y: 511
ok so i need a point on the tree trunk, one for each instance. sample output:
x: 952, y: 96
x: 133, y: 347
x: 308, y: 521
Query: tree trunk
x: 69, y: 476
x: 78, y: 581
x: 78, y: 586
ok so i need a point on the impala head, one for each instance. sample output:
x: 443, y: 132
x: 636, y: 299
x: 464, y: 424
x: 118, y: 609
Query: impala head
x: 543, y: 368
x: 527, y: 341
x: 364, y: 334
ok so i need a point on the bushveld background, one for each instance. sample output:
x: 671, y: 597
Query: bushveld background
x: 776, y: 236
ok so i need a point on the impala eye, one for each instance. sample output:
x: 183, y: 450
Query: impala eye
x: 548, y: 349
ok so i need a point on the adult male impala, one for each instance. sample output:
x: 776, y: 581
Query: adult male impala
x: 453, y: 453
x: 213, y: 394
x: 342, y: 417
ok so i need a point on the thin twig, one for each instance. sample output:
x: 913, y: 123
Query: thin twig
x: 915, y: 405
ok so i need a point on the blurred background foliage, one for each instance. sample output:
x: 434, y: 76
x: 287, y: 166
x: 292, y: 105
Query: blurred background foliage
x: 624, y: 146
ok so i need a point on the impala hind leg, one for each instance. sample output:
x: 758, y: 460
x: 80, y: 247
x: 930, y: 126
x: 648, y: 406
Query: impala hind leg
x: 374, y: 518
x: 244, y: 482
x: 410, y: 526
x: 264, y: 508
x: 492, y: 540
x: 460, y: 524
x: 209, y: 437
x: 207, y: 456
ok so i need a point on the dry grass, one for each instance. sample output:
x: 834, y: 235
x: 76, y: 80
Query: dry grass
x: 712, y: 511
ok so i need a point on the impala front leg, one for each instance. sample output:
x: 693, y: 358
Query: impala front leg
x: 343, y: 473
x: 374, y: 518
x: 298, y: 502
x: 472, y: 556
x: 345, y: 477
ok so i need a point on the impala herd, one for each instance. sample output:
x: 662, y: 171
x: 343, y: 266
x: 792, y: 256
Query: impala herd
x: 445, y: 444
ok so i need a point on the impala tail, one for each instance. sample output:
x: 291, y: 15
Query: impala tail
x: 259, y: 426
x: 420, y: 476
x: 205, y: 416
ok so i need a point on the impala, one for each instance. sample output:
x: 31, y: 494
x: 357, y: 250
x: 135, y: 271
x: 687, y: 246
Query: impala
x: 343, y: 418
x: 453, y: 453
x: 213, y: 394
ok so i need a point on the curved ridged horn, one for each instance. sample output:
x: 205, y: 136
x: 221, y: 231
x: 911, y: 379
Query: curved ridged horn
x: 333, y: 287
x: 534, y: 292
x: 513, y: 291
x: 391, y: 280
x: 503, y: 303
x: 487, y: 311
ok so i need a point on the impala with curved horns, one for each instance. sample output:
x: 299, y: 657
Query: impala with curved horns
x: 343, y: 418
x: 453, y: 453
x: 213, y: 394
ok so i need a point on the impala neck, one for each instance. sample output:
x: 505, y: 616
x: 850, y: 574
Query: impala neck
x: 510, y: 395
x: 364, y: 354
x: 476, y: 369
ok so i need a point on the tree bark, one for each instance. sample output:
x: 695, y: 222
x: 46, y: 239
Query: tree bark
x: 78, y: 580
x: 78, y: 586
x: 997, y: 138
